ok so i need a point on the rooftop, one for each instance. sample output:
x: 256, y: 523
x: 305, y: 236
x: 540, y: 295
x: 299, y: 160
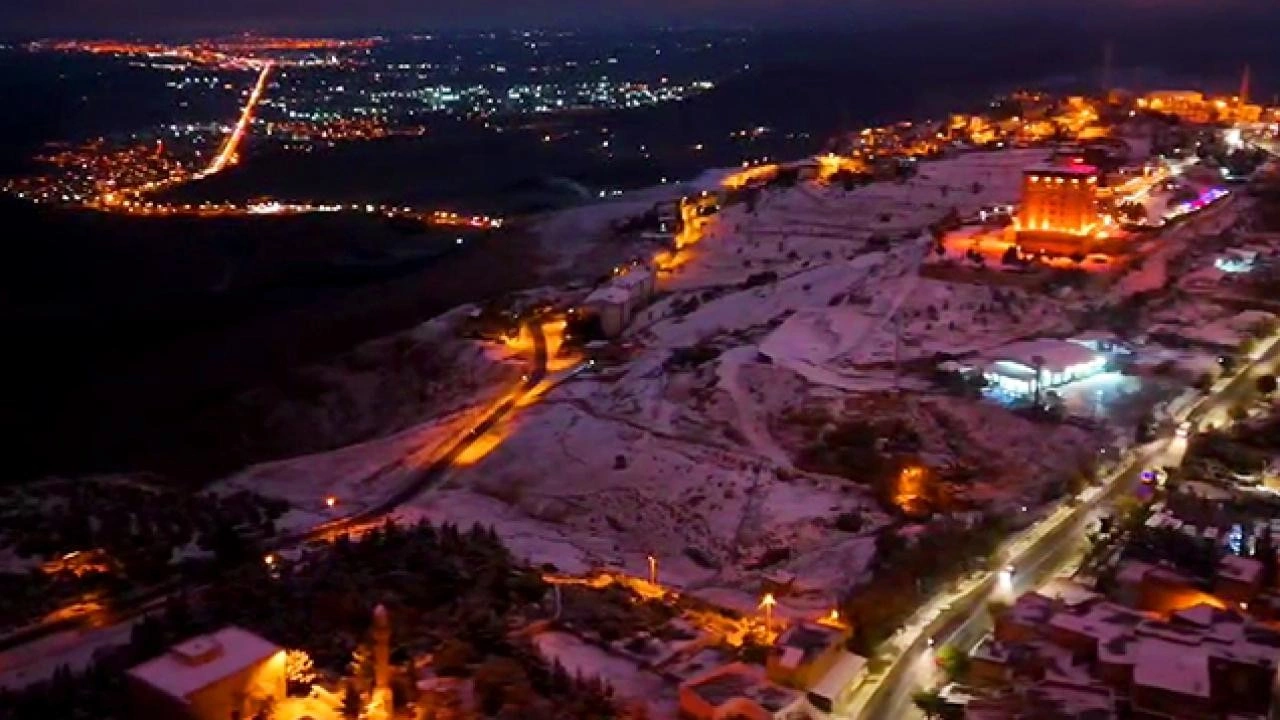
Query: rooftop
x: 1056, y: 355
x: 1239, y: 569
x: 1172, y: 667
x: 203, y: 660
x: 737, y: 680
x: 805, y: 640
x: 1064, y: 170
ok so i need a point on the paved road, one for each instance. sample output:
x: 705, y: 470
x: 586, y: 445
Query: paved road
x: 963, y: 614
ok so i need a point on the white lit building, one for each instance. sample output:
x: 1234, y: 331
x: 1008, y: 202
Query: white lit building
x: 616, y: 303
x: 1022, y: 367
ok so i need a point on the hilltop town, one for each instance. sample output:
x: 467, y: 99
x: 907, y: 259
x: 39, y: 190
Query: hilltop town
x: 804, y: 422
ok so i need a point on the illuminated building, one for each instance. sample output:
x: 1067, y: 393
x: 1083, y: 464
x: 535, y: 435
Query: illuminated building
x: 228, y: 673
x: 1193, y: 107
x: 1058, y: 215
x: 1023, y: 368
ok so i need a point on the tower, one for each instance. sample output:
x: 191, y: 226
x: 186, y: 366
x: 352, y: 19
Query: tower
x: 1244, y: 86
x: 381, y: 648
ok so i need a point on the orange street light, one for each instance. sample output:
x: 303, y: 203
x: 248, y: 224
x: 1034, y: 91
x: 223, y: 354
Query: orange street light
x: 269, y: 559
x: 767, y: 602
x: 330, y: 501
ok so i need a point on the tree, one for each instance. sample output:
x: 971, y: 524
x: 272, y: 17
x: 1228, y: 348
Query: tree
x: 351, y: 703
x: 929, y: 702
x: 501, y: 681
x: 452, y: 658
x: 1266, y: 384
x: 953, y: 661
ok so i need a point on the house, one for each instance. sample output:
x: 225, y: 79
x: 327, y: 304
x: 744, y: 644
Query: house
x: 1047, y: 699
x: 1156, y: 588
x: 1238, y: 579
x: 738, y: 690
x: 803, y: 654
x: 225, y: 674
x: 836, y: 685
x: 1195, y: 663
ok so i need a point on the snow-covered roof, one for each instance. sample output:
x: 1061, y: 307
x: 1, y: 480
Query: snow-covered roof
x: 608, y: 295
x: 722, y: 685
x: 841, y: 675
x: 1176, y: 668
x: 1057, y: 355
x: 631, y: 279
x: 203, y: 660
x: 1239, y: 569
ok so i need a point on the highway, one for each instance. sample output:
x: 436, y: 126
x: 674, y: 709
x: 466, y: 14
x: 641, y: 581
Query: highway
x: 960, y: 617
x: 232, y: 144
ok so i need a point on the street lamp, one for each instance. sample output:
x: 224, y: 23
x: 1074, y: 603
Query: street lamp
x: 767, y: 602
x: 330, y: 501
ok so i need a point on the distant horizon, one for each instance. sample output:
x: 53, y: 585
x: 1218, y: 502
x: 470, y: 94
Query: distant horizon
x: 154, y: 18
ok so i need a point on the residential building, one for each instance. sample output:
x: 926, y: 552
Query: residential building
x: 1046, y: 700
x: 738, y: 690
x: 803, y: 654
x: 1198, y: 663
x: 616, y: 302
x: 1238, y: 579
x: 226, y: 674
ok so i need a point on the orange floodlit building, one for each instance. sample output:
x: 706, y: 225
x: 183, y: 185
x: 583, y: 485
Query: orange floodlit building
x: 1059, y: 213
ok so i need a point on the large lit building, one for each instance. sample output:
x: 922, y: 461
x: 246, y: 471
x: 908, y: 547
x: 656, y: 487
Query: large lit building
x: 1059, y: 213
x: 229, y: 673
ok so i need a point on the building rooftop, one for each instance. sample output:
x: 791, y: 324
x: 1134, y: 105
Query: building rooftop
x: 1239, y: 569
x: 1046, y: 700
x: 1057, y: 355
x: 608, y: 295
x: 738, y: 680
x: 1070, y: 593
x: 803, y: 641
x: 1063, y: 170
x: 203, y: 660
x: 1172, y: 667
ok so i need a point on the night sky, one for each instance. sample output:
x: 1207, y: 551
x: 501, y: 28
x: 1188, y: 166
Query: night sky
x: 100, y: 17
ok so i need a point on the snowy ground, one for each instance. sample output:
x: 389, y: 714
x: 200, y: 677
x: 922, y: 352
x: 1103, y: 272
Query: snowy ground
x: 428, y: 383
x: 687, y: 452
x: 683, y: 452
x: 627, y: 679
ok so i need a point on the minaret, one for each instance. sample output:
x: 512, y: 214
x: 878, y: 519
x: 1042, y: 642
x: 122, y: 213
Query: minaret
x: 381, y: 648
x: 1244, y: 86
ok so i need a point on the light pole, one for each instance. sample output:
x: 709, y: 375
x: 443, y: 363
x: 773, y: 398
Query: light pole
x: 653, y: 569
x: 767, y: 602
